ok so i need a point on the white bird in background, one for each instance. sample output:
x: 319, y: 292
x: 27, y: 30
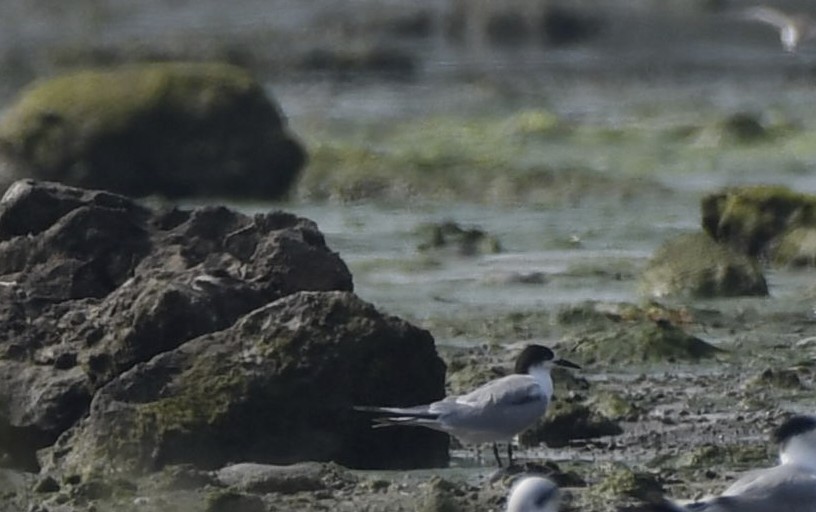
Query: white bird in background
x: 496, y: 411
x: 794, y: 29
x: 788, y: 487
x: 533, y: 494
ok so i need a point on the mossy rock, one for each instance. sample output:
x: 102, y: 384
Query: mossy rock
x: 785, y: 378
x: 452, y: 238
x: 174, y: 129
x: 694, y: 265
x: 752, y: 219
x: 566, y: 421
x: 641, y: 343
x: 623, y: 481
x: 795, y: 248
x: 277, y: 387
x: 710, y: 456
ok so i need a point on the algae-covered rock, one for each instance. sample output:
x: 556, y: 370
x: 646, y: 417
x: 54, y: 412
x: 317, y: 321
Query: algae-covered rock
x: 784, y: 378
x: 277, y: 387
x: 175, y: 129
x: 796, y: 247
x: 294, y: 478
x: 695, y: 265
x: 95, y: 283
x: 451, y: 237
x: 752, y: 219
x: 566, y: 421
x: 623, y: 481
x: 640, y: 343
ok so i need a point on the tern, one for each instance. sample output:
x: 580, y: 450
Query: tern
x: 793, y: 28
x: 496, y: 411
x: 533, y: 494
x: 789, y: 486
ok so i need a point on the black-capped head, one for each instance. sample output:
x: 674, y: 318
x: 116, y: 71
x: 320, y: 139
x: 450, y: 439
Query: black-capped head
x: 537, y: 355
x: 794, y: 427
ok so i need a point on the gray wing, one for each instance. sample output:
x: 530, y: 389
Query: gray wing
x: 784, y: 488
x: 768, y: 15
x: 510, y: 390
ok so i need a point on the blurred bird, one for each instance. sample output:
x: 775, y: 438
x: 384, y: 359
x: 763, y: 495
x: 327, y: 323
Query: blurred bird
x: 496, y: 411
x: 788, y: 487
x: 533, y: 494
x: 794, y: 29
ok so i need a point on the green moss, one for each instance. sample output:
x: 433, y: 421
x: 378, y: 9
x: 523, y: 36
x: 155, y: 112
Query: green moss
x: 695, y: 265
x: 776, y: 378
x: 108, y: 101
x: 734, y: 456
x: 647, y: 342
x: 488, y: 159
x: 623, y: 481
x: 749, y: 218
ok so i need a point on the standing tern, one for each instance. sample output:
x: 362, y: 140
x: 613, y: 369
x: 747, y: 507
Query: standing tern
x: 533, y: 494
x: 793, y: 28
x: 496, y: 411
x: 789, y: 486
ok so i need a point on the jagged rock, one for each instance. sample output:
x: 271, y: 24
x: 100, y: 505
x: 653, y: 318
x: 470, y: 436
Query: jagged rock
x: 277, y: 387
x: 695, y: 265
x: 94, y: 283
x: 175, y: 129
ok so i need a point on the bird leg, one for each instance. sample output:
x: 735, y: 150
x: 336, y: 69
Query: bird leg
x: 510, y: 454
x: 496, y: 454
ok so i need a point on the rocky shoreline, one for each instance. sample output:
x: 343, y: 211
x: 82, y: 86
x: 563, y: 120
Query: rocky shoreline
x: 209, y: 360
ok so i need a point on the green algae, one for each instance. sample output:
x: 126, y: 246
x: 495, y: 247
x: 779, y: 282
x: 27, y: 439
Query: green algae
x: 749, y: 218
x: 694, y: 265
x: 108, y: 101
x: 640, y: 343
x: 495, y: 160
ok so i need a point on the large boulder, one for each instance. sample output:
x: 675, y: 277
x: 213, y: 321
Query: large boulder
x: 277, y: 387
x: 92, y: 284
x: 763, y: 220
x: 695, y: 265
x: 174, y: 129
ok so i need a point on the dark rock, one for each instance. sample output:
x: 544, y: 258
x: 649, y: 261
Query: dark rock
x: 277, y: 387
x: 96, y: 284
x: 695, y: 265
x: 450, y: 237
x: 47, y: 484
x: 176, y: 129
x: 561, y: 26
x: 229, y: 501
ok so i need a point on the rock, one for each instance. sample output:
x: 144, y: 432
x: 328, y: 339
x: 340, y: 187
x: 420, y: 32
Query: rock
x: 266, y: 478
x: 277, y: 387
x: 174, y: 129
x: 99, y: 284
x: 622, y: 481
x: 228, y: 501
x: 562, y: 26
x: 450, y: 237
x: 694, y: 265
x: 566, y: 421
x: 785, y: 378
x: 639, y: 343
x: 754, y: 219
x: 47, y: 484
x: 796, y: 247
